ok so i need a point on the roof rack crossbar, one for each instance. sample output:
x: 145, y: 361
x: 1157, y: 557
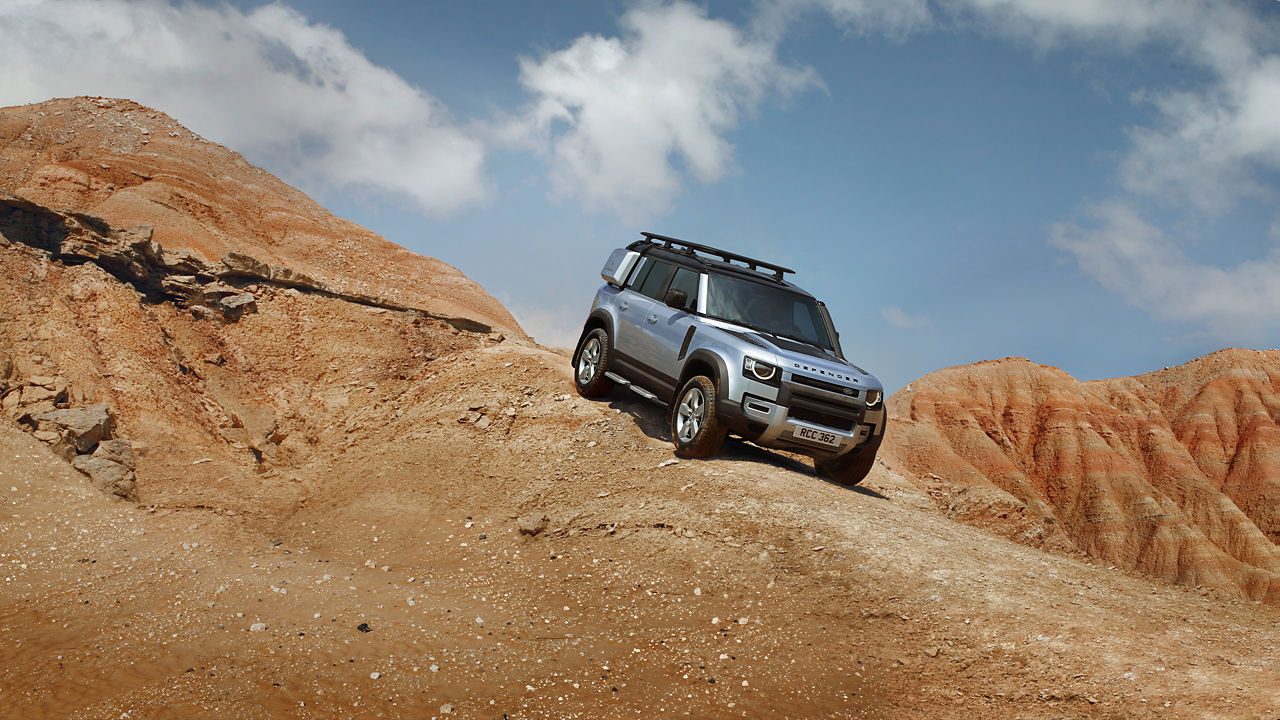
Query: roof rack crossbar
x: 725, y: 255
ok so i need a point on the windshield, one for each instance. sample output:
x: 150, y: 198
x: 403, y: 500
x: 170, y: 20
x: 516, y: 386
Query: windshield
x: 772, y: 309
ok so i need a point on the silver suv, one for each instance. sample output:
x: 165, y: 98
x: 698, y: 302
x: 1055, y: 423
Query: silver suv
x: 729, y: 346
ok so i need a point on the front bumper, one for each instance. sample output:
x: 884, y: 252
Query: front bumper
x: 782, y: 431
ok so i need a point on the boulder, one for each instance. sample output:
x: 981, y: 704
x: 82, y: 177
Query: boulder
x: 82, y: 427
x: 108, y: 476
x: 117, y: 451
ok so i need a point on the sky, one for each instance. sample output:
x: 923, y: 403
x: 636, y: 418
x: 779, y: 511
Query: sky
x: 1088, y: 184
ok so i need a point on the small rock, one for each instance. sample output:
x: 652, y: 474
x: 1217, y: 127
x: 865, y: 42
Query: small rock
x: 666, y: 463
x: 375, y: 675
x: 697, y: 591
x: 237, y: 305
x: 743, y: 621
x: 532, y: 524
x: 483, y: 422
x: 933, y: 652
x: 257, y: 627
x: 364, y: 627
x: 201, y: 312
x: 446, y: 709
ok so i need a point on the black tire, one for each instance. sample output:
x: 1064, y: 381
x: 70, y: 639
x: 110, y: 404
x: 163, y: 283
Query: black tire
x: 847, y: 470
x: 590, y: 364
x: 852, y: 467
x: 695, y: 426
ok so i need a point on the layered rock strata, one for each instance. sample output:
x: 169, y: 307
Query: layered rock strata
x: 1174, y: 474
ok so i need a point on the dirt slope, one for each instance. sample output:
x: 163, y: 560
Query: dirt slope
x: 133, y: 165
x: 1174, y: 474
x: 328, y: 525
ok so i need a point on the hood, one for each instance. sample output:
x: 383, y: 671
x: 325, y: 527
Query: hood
x: 804, y: 359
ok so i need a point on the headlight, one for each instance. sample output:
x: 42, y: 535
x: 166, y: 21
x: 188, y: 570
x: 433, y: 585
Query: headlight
x: 762, y: 371
x: 874, y: 397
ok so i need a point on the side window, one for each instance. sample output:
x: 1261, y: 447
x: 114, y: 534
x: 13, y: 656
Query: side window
x: 640, y: 272
x: 651, y: 285
x: 686, y: 280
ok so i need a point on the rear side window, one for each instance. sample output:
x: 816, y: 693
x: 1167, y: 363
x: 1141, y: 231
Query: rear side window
x: 651, y: 278
x: 686, y: 280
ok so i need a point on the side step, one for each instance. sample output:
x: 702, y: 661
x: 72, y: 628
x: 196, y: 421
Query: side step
x: 633, y: 388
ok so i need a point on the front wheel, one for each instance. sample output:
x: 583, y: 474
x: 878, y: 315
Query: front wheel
x: 847, y: 470
x: 695, y: 427
x: 852, y: 467
x: 592, y: 363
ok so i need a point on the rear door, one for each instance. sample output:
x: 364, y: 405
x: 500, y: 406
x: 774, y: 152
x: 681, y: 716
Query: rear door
x: 635, y: 304
x: 670, y: 330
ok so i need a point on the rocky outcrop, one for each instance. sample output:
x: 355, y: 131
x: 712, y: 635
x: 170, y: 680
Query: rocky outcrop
x: 1173, y: 474
x: 133, y: 257
x: 84, y: 436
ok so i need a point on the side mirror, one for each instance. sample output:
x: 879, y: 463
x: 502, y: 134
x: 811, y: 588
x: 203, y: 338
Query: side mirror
x: 677, y: 299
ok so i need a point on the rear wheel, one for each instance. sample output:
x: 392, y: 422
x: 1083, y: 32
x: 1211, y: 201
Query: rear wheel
x: 592, y: 364
x: 695, y: 426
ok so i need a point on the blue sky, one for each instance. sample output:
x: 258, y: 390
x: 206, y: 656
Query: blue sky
x: 1091, y: 184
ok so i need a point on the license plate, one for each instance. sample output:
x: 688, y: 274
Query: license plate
x: 821, y: 437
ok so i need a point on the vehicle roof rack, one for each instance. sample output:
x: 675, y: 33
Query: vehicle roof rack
x: 725, y: 255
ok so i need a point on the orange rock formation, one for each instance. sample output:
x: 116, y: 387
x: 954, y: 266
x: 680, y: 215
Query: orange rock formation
x: 1175, y: 474
x: 130, y: 165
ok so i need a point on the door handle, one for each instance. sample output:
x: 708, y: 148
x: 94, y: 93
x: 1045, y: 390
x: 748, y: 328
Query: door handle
x: 623, y: 306
x: 652, y: 318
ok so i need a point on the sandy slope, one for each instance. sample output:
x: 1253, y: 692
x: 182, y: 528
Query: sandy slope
x: 857, y: 602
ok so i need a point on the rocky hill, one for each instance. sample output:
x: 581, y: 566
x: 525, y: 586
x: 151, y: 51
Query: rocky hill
x: 1174, y: 474
x: 131, y: 165
x: 239, y: 478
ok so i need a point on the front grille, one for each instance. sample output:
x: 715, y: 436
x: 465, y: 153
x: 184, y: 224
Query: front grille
x: 811, y: 408
x: 825, y: 419
x: 824, y: 385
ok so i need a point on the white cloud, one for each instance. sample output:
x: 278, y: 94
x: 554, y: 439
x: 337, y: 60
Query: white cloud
x: 1211, y: 143
x: 898, y: 317
x: 288, y: 93
x: 895, y: 18
x: 1136, y: 260
x: 619, y: 116
x: 555, y: 327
